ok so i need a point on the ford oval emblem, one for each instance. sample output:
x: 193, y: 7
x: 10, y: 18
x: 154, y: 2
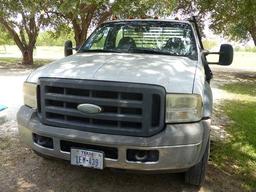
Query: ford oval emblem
x: 89, y: 108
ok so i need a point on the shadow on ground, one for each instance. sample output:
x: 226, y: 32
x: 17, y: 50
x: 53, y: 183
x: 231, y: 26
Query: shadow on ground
x: 22, y: 170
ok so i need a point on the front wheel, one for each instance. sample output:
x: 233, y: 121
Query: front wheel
x: 196, y: 174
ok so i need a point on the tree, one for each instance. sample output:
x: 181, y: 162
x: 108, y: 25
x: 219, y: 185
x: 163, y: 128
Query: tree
x: 83, y: 14
x: 235, y: 19
x: 22, y: 19
x: 5, y: 38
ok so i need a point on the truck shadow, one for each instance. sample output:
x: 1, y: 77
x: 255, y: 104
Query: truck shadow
x: 77, y: 178
x: 25, y: 171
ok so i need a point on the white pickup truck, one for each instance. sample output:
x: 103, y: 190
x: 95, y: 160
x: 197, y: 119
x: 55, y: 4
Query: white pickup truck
x: 136, y: 96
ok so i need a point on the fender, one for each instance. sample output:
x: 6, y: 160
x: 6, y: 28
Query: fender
x: 207, y: 101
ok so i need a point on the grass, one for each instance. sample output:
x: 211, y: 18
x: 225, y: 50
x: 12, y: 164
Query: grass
x: 237, y: 155
x: 4, y: 143
x: 240, y: 59
x: 248, y: 88
x: 7, y: 62
x: 246, y: 49
x: 244, y: 59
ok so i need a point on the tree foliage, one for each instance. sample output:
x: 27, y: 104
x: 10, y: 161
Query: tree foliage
x: 235, y: 19
x: 22, y: 19
x: 5, y: 38
x: 81, y: 15
x: 51, y: 38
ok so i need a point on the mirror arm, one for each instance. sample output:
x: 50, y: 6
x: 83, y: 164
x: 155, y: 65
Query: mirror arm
x: 212, y: 53
x: 213, y: 63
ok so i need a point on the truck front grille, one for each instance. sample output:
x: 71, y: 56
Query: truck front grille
x: 127, y: 108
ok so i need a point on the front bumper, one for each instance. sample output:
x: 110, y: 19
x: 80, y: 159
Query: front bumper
x: 180, y: 146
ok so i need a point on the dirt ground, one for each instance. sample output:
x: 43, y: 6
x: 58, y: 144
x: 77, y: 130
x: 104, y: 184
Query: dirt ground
x: 22, y: 170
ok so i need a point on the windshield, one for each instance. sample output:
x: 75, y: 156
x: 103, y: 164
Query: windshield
x: 152, y: 37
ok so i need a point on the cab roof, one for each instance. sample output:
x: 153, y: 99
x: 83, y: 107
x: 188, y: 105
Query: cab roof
x: 148, y: 20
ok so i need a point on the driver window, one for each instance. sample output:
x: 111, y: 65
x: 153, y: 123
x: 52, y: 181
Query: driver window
x: 119, y: 36
x: 100, y: 39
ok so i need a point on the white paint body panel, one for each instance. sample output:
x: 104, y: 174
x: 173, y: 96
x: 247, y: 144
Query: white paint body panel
x: 176, y: 74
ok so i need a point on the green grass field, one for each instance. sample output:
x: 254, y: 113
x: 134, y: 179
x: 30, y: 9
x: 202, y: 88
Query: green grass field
x: 10, y: 63
x: 241, y: 59
x: 237, y: 155
x: 244, y: 88
x: 247, y: 59
x: 40, y: 52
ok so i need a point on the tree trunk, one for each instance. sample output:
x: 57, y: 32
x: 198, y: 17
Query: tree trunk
x: 254, y: 38
x: 80, y: 35
x: 27, y: 55
x: 83, y: 36
x: 253, y: 34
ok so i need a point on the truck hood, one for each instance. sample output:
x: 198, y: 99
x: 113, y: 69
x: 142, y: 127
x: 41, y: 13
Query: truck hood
x: 176, y: 74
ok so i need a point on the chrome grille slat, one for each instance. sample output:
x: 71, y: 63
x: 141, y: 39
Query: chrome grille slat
x: 104, y: 129
x: 127, y: 108
x: 105, y: 116
x: 78, y: 99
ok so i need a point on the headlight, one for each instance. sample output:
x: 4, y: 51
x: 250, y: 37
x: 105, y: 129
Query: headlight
x: 183, y: 108
x: 30, y: 96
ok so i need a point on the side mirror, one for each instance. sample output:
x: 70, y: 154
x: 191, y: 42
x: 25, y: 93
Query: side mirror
x: 226, y: 54
x: 68, y: 48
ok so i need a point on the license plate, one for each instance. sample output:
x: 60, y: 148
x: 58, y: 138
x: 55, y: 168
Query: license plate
x: 87, y: 158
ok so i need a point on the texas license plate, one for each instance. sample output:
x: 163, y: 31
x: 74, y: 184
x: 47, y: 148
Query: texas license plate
x: 87, y: 158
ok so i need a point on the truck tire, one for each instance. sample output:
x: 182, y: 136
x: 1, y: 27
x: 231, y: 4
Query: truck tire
x: 196, y: 174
